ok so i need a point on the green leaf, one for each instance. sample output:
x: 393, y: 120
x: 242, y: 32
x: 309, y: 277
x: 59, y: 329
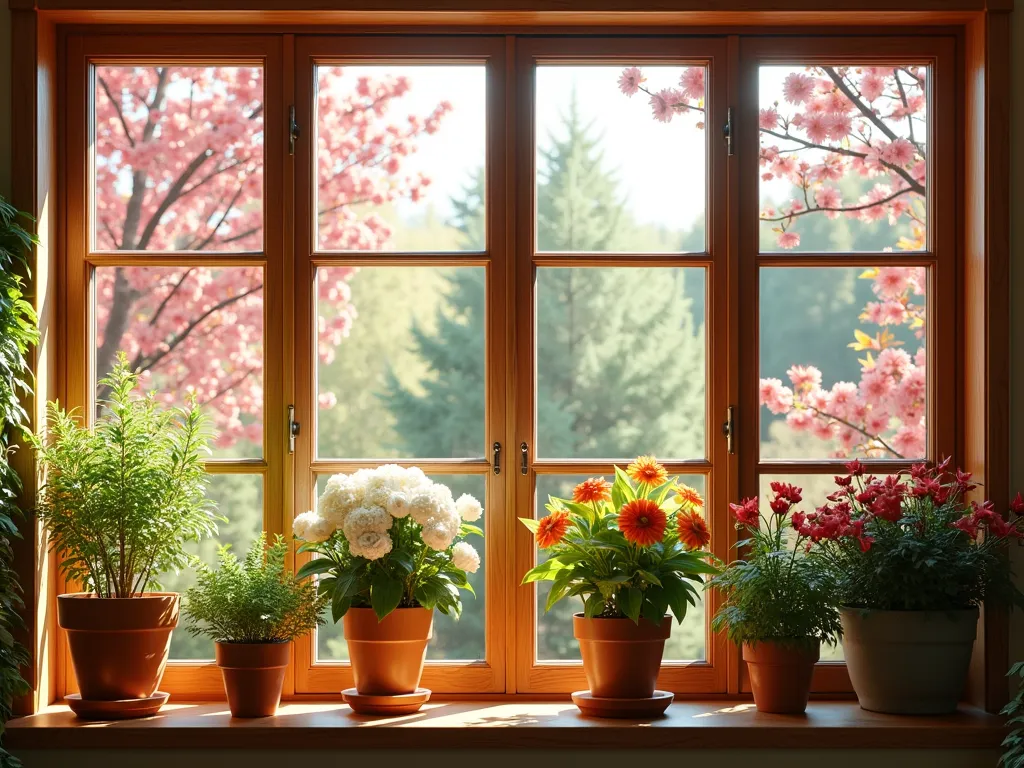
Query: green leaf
x: 340, y: 603
x: 385, y: 594
x: 630, y: 600
x: 314, y: 566
x: 593, y: 605
x: 676, y: 593
x: 530, y: 523
x: 546, y: 571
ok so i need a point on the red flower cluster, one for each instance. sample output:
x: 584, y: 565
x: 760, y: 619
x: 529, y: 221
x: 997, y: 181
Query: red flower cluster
x: 832, y: 521
x: 746, y: 512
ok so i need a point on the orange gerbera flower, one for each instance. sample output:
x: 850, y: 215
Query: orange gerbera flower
x: 693, y: 531
x: 688, y: 497
x: 647, y: 471
x: 594, y: 489
x: 552, y: 528
x: 642, y: 522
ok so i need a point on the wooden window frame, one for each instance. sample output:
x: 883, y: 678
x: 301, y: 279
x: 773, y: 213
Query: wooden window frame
x: 709, y: 676
x: 939, y: 258
x: 981, y: 402
x: 454, y: 677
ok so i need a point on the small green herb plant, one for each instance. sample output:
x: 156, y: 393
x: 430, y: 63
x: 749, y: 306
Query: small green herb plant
x: 254, y: 600
x: 1013, y: 757
x: 121, y: 500
x: 778, y: 593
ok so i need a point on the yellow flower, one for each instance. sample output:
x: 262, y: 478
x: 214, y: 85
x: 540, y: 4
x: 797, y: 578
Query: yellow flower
x: 688, y: 498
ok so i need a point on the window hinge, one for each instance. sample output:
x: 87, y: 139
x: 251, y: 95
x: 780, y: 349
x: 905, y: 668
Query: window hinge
x: 293, y: 130
x: 727, y: 131
x: 729, y: 428
x: 293, y: 429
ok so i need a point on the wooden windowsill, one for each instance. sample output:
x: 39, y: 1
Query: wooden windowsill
x: 510, y: 724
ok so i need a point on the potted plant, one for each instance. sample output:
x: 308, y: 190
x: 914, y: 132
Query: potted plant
x: 390, y: 549
x: 778, y: 603
x: 631, y: 551
x: 253, y: 609
x: 119, y: 502
x: 912, y: 559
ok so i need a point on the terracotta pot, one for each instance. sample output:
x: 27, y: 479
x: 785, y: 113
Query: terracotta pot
x: 118, y: 645
x: 253, y: 676
x: 621, y: 659
x: 908, y: 662
x: 780, y: 674
x: 387, y: 656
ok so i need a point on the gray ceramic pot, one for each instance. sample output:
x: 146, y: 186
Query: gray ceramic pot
x: 908, y: 662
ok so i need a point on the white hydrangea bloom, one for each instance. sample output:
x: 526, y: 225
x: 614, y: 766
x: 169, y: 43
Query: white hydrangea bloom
x: 378, y: 496
x: 364, y: 519
x: 339, y: 498
x: 309, y: 526
x: 372, y: 545
x: 423, y: 505
x: 469, y: 508
x: 464, y: 556
x: 414, y: 480
x: 398, y: 505
x: 439, y: 533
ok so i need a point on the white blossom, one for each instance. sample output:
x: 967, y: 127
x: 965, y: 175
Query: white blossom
x: 372, y: 545
x: 309, y: 526
x: 464, y: 556
x: 469, y: 508
x: 364, y: 519
x: 439, y: 533
x: 398, y: 505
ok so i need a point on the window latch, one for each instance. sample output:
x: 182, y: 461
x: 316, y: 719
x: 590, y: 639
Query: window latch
x: 496, y: 448
x: 729, y: 428
x: 524, y: 465
x: 727, y: 133
x: 293, y: 429
x: 293, y: 130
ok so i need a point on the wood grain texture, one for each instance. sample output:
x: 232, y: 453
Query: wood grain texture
x: 532, y: 725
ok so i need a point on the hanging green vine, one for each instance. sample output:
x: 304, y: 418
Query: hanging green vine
x: 17, y: 333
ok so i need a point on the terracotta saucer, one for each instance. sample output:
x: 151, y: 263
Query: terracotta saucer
x: 121, y: 709
x: 401, y: 704
x: 594, y: 706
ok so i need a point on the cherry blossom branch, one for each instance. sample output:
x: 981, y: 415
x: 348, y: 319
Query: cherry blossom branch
x: 911, y: 181
x: 856, y: 101
x: 677, y: 104
x: 854, y: 427
x: 851, y: 208
x: 117, y: 108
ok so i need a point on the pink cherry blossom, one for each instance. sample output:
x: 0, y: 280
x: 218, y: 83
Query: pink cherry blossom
x: 788, y: 240
x: 179, y: 166
x: 661, y: 105
x: 776, y: 397
x: 630, y: 80
x: 692, y: 83
x: 768, y: 119
x: 798, y: 88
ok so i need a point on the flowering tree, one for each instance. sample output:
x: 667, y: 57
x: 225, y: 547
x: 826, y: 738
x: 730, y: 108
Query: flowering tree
x: 179, y: 166
x: 835, y: 130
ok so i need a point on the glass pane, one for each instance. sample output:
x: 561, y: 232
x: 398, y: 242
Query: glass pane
x: 239, y: 498
x: 844, y: 158
x: 178, y: 158
x: 611, y: 174
x: 401, y: 362
x: 555, y: 641
x: 400, y: 158
x: 843, y: 368
x: 453, y: 640
x: 620, y: 362
x: 195, y: 329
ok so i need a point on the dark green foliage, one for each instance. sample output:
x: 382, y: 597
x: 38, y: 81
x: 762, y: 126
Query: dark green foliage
x: 777, y: 593
x: 122, y: 499
x: 1013, y: 756
x: 255, y: 600
x: 17, y: 334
